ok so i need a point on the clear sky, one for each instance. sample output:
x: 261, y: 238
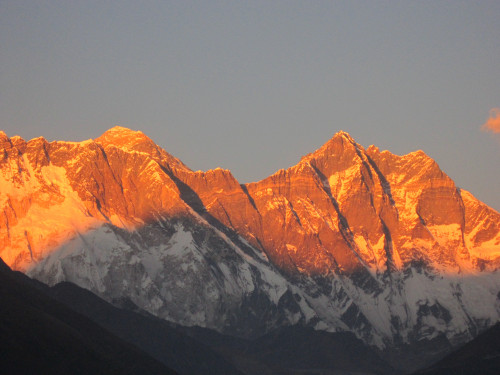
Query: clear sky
x: 251, y: 86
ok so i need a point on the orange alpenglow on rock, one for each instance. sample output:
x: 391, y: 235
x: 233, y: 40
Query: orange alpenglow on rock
x: 356, y: 239
x: 341, y: 208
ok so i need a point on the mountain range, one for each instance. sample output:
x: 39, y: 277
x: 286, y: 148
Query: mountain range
x: 350, y: 239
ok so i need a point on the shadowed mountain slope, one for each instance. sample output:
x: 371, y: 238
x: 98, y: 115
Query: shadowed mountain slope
x: 160, y: 339
x: 349, y: 239
x: 42, y: 336
x: 479, y: 356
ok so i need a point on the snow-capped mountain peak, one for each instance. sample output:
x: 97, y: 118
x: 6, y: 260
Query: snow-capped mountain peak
x: 350, y: 238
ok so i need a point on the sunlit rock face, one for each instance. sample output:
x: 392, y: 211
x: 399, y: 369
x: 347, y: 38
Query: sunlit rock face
x: 348, y: 239
x: 53, y: 191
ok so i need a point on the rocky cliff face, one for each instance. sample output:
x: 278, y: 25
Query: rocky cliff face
x: 348, y: 239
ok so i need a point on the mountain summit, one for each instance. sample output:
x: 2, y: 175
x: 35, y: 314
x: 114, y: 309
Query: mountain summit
x: 350, y: 238
x: 125, y: 138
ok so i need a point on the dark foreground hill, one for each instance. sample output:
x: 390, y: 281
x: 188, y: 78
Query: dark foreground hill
x: 39, y: 335
x: 160, y: 339
x: 480, y: 356
x: 66, y: 329
x: 353, y: 239
x: 288, y: 350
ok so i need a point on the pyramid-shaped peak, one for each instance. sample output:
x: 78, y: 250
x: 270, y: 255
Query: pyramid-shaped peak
x: 342, y: 133
x: 136, y: 141
x: 336, y: 145
x: 125, y: 138
x: 121, y: 132
x: 339, y: 137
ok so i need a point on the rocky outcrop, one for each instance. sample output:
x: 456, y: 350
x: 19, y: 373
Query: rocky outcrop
x: 348, y: 239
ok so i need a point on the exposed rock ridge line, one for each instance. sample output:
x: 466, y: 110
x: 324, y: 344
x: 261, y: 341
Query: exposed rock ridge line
x: 348, y: 239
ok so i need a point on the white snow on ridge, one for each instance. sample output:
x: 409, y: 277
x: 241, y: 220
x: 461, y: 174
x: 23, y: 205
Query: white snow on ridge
x: 180, y: 280
x: 177, y: 280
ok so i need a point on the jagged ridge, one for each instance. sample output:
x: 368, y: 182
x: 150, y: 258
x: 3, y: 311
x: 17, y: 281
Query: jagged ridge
x: 350, y: 238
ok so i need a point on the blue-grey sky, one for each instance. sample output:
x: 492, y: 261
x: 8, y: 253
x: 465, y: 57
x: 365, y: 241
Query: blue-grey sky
x: 251, y: 86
